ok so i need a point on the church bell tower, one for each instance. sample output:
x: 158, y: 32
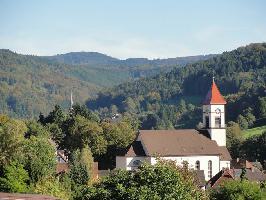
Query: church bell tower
x: 214, y: 115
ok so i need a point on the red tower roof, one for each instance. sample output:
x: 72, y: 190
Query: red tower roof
x: 214, y: 96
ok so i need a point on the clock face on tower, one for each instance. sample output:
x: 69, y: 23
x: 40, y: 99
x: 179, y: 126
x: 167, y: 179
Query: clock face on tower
x: 217, y: 111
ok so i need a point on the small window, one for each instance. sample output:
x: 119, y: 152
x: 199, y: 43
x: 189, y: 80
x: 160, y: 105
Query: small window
x: 217, y: 122
x: 209, y: 169
x: 136, y: 163
x: 197, y: 165
x: 207, y: 122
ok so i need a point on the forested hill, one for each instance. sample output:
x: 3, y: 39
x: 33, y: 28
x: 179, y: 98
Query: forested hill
x: 102, y: 60
x: 32, y: 84
x: 172, y: 99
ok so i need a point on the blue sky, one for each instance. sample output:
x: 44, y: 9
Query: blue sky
x: 131, y: 28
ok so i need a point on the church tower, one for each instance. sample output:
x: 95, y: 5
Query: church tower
x: 214, y: 115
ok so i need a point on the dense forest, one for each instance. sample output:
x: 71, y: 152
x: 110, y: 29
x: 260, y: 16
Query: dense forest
x: 173, y: 99
x: 32, y: 84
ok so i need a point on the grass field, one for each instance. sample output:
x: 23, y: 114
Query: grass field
x: 253, y: 131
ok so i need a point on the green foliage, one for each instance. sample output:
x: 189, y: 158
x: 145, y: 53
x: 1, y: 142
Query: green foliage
x: 157, y: 101
x: 161, y: 181
x: 233, y: 138
x: 242, y: 121
x: 262, y: 106
x: 253, y: 131
x: 82, y: 132
x: 11, y: 138
x: 14, y: 179
x: 81, y: 163
x: 36, y: 129
x: 237, y: 190
x: 52, y: 186
x: 31, y: 84
x: 39, y: 158
x: 254, y: 148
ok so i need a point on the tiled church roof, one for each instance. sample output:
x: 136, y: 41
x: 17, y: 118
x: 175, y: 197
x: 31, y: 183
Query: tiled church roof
x: 214, y: 96
x: 183, y: 142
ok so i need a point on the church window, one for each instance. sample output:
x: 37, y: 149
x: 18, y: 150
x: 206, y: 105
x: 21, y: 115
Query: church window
x: 217, y: 122
x: 197, y: 165
x: 207, y: 121
x: 209, y: 169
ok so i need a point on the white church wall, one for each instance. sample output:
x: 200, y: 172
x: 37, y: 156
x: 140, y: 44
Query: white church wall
x: 192, y: 161
x: 224, y: 164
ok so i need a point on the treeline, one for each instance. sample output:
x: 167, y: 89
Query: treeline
x: 32, y: 84
x: 173, y: 99
x: 27, y: 150
x: 28, y: 164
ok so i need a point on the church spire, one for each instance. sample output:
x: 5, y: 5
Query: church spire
x: 214, y: 96
x: 71, y: 101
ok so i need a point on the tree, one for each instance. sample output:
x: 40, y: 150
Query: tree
x: 262, y: 107
x: 56, y: 116
x: 11, y: 138
x: 81, y: 164
x: 36, y: 129
x: 243, y: 123
x: 233, y: 138
x: 54, y: 187
x: 39, y: 157
x: 81, y: 132
x: 14, y: 179
x: 236, y: 190
x: 249, y: 116
x: 163, y: 180
x: 82, y: 110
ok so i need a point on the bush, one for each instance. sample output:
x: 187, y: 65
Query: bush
x: 161, y: 181
x: 237, y: 190
x: 15, y: 178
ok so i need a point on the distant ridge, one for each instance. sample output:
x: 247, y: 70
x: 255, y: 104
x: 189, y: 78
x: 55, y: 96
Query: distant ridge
x: 32, y: 84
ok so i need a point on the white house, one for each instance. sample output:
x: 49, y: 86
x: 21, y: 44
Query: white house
x: 203, y: 149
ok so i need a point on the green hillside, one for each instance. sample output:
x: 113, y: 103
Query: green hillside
x: 253, y: 131
x: 173, y: 99
x: 31, y: 84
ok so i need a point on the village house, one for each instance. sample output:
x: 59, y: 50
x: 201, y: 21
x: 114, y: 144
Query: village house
x: 203, y: 149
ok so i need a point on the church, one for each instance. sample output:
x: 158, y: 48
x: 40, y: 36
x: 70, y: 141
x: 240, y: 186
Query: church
x: 203, y: 149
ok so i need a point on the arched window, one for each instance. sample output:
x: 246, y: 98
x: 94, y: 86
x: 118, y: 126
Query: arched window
x: 209, y: 169
x: 197, y: 165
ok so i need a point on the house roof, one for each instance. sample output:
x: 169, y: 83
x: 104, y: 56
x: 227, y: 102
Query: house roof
x: 183, y: 142
x: 135, y: 149
x: 226, y: 174
x: 214, y: 96
x: 251, y: 175
x: 225, y: 155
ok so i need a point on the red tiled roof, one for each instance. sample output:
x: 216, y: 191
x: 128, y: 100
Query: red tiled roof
x: 214, y: 96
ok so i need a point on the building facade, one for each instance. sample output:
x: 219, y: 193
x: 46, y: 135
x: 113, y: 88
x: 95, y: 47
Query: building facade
x: 203, y: 149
